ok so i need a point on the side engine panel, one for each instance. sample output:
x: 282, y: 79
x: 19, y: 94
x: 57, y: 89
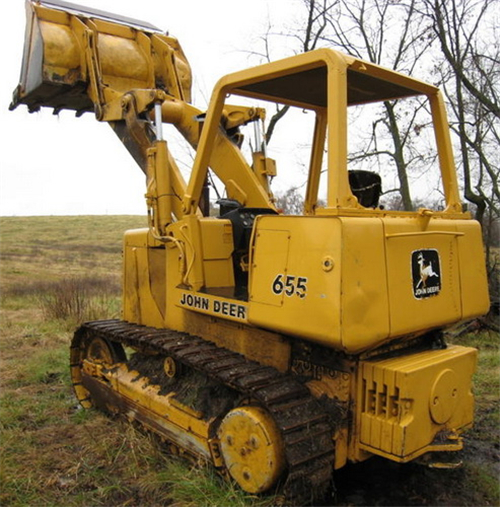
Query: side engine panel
x: 354, y: 283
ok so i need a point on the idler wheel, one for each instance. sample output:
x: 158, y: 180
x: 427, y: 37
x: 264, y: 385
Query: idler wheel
x: 252, y: 448
x: 95, y: 350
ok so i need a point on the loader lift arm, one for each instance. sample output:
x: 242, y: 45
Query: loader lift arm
x: 134, y: 77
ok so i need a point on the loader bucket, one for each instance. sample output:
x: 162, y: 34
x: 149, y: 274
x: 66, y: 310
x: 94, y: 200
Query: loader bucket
x: 81, y: 59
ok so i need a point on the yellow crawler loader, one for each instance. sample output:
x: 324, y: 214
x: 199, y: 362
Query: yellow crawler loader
x: 276, y: 347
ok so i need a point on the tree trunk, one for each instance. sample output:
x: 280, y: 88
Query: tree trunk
x: 398, y: 155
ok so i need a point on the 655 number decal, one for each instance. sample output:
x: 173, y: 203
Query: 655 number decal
x: 290, y: 285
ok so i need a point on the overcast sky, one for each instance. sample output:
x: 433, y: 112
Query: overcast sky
x: 57, y: 165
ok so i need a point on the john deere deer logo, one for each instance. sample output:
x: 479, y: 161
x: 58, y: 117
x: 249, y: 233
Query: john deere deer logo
x: 426, y: 273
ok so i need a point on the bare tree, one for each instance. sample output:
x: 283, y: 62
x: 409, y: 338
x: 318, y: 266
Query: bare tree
x: 290, y: 202
x: 458, y: 25
x: 470, y: 48
x: 392, y: 34
x: 316, y: 22
x: 404, y: 34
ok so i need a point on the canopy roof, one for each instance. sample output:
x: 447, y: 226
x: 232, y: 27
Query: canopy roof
x: 304, y: 81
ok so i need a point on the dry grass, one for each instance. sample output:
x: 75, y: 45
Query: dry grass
x: 48, y: 248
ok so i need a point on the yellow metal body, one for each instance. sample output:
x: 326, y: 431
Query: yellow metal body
x: 347, y: 286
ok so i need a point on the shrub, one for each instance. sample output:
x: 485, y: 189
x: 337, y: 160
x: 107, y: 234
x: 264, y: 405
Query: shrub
x: 80, y: 299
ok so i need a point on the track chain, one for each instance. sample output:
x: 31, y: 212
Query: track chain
x: 304, y: 425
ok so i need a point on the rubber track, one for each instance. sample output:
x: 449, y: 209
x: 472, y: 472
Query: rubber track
x: 305, y: 430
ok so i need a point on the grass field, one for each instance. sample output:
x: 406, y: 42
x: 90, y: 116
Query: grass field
x: 55, y: 454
